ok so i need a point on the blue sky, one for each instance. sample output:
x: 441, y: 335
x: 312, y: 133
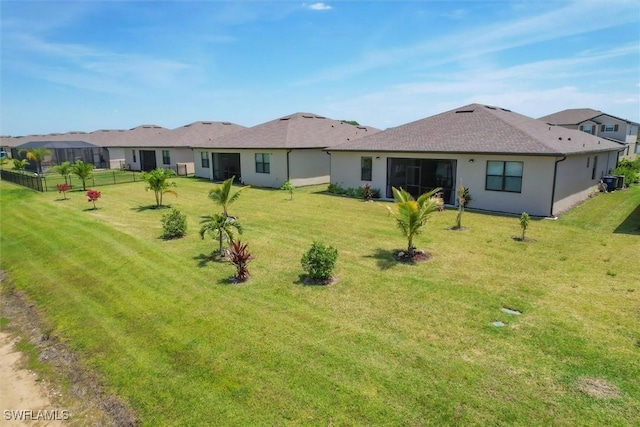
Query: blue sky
x: 117, y: 64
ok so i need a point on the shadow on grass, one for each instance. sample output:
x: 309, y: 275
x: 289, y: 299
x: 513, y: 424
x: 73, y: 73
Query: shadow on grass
x: 384, y: 258
x: 204, y: 259
x: 150, y: 207
x: 305, y: 280
x: 631, y: 224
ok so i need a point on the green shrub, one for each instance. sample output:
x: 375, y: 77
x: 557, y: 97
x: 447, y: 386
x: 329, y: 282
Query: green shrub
x: 630, y: 175
x: 320, y: 261
x: 174, y: 224
x: 288, y: 186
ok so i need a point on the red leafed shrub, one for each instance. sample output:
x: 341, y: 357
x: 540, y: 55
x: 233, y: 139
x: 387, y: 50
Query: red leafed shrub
x: 63, y: 188
x: 239, y: 256
x: 93, y: 195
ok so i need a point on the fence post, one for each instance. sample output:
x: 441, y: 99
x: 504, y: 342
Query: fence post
x: 114, y: 177
x: 44, y: 182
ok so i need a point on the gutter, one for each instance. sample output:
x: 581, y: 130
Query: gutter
x: 553, y: 188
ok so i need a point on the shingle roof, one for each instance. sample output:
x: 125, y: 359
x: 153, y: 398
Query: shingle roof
x: 299, y: 130
x: 198, y: 133
x: 575, y: 116
x: 477, y: 128
x: 55, y: 144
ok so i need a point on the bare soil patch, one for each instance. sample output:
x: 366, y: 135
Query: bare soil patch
x: 85, y: 399
x: 598, y: 388
x: 405, y: 257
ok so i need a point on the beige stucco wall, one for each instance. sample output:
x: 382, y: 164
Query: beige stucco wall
x: 309, y: 167
x: 574, y: 182
x: 116, y: 157
x: 277, y: 170
x: 306, y: 167
x: 535, y: 197
x: 176, y: 155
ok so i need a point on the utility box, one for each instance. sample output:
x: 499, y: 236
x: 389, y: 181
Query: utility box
x: 185, y: 169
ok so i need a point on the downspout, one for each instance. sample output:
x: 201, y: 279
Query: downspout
x: 329, y: 154
x: 553, y: 188
x: 288, y: 177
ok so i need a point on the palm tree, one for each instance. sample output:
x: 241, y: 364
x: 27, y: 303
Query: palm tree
x: 37, y: 155
x: 220, y: 227
x: 411, y: 215
x: 221, y: 194
x: 19, y: 164
x: 158, y: 181
x: 524, y: 223
x: 64, y: 169
x: 84, y: 172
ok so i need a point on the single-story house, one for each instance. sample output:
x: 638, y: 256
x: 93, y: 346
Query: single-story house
x: 63, y: 150
x: 511, y: 163
x: 177, y: 142
x: 271, y: 153
x: 141, y: 148
x: 595, y: 122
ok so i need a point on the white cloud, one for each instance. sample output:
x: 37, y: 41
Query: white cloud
x: 570, y: 20
x: 319, y: 6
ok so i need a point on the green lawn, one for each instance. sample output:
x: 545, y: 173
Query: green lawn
x: 389, y: 344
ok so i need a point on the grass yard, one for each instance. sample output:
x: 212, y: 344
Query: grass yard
x: 99, y: 177
x: 389, y: 344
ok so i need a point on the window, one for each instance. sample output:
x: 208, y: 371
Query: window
x: 588, y: 161
x: 366, y: 165
x: 166, y: 158
x: 204, y: 158
x: 608, y: 128
x: 595, y: 166
x: 263, y: 163
x: 134, y: 156
x: 588, y: 129
x: 504, y: 176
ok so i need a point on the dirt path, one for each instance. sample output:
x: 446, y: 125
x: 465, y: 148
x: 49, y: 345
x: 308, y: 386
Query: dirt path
x: 23, y: 399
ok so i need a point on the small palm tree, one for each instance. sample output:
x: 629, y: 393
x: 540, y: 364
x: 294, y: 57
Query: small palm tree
x: 524, y: 223
x: 20, y: 165
x: 220, y: 227
x: 64, y: 169
x: 158, y: 181
x: 221, y: 194
x: 411, y: 215
x: 83, y: 170
x: 462, y: 202
x: 37, y: 155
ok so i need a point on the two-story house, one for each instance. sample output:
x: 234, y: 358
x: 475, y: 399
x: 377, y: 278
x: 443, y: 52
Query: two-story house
x: 622, y: 131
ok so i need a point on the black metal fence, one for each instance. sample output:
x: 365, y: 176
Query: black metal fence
x: 24, y: 179
x: 50, y: 182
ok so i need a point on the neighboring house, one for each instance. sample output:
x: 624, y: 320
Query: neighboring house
x: 195, y: 134
x: 269, y: 154
x: 70, y: 147
x: 142, y: 148
x: 597, y: 123
x: 510, y: 163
